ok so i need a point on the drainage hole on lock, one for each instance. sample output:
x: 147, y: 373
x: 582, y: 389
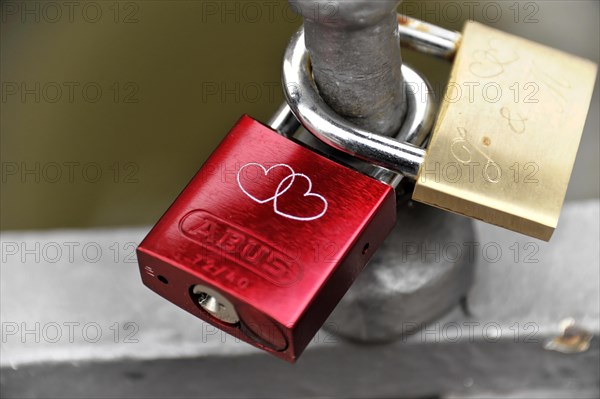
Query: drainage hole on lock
x: 162, y: 279
x: 365, y: 249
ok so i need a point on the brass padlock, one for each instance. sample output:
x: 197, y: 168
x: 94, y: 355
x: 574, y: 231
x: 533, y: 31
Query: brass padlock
x: 503, y: 152
x: 506, y: 136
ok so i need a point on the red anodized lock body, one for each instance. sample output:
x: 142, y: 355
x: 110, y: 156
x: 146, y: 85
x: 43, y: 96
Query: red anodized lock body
x: 275, y: 229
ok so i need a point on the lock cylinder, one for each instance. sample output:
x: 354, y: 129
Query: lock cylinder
x: 260, y: 330
x: 215, y: 304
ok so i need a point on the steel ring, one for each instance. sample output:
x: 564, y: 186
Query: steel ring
x: 318, y: 118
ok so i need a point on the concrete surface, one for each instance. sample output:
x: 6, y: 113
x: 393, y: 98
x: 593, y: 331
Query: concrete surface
x: 54, y: 306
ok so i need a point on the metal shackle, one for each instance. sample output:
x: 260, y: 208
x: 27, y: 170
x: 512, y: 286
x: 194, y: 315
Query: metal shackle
x: 404, y: 157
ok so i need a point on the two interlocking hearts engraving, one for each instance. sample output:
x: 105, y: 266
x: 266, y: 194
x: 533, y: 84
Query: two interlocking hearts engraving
x: 309, y: 206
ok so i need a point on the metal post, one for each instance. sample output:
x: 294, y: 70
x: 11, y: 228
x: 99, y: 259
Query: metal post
x: 355, y: 58
x: 356, y: 62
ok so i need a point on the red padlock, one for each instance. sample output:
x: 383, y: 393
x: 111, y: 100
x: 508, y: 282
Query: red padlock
x: 266, y: 239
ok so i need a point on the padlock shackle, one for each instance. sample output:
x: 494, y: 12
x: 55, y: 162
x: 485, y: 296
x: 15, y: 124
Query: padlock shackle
x: 318, y: 118
x: 427, y: 38
x: 284, y: 121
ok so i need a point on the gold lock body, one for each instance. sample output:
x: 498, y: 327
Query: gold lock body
x: 504, y: 144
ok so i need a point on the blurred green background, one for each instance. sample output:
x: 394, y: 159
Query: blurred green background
x: 109, y: 107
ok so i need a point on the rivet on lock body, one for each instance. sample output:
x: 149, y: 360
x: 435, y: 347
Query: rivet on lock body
x: 269, y: 235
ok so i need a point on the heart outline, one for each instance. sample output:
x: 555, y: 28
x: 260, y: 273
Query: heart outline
x: 266, y: 172
x: 308, y: 193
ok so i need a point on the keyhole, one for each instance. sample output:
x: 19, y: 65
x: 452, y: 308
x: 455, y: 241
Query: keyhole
x: 214, y: 303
